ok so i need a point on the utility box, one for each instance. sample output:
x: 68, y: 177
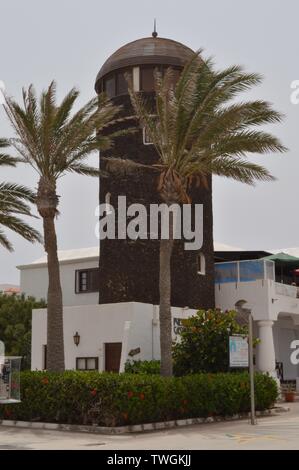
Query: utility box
x: 10, y: 379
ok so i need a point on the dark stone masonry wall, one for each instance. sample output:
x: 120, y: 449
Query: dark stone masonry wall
x: 129, y: 270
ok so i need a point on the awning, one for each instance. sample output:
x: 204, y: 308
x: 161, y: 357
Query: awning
x: 285, y: 262
x: 283, y: 259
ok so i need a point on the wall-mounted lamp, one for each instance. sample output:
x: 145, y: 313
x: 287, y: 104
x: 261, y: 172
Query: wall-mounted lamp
x: 76, y: 338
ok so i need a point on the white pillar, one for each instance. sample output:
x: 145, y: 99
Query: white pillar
x: 124, y: 346
x: 266, y: 351
x: 2, y: 354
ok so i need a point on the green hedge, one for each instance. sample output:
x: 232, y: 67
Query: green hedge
x: 111, y: 399
x: 142, y: 367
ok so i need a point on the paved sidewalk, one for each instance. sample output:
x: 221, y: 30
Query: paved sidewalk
x: 277, y: 432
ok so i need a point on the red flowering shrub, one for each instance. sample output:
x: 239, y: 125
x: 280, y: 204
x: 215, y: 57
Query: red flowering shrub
x: 106, y: 399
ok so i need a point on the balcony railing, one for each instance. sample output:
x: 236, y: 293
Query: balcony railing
x: 285, y: 289
x: 244, y: 271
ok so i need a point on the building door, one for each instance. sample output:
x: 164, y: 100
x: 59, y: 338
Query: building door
x: 112, y: 356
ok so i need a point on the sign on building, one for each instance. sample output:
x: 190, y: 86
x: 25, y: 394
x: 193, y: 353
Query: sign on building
x: 238, y: 351
x: 177, y: 326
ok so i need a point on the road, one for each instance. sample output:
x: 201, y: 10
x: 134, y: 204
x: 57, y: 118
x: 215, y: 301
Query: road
x: 277, y: 432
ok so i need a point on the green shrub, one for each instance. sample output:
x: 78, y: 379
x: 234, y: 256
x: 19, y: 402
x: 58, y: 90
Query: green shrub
x: 15, y: 325
x: 108, y: 399
x: 142, y: 367
x: 203, y: 345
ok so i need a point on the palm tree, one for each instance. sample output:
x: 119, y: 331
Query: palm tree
x: 198, y: 131
x: 54, y: 140
x: 14, y: 202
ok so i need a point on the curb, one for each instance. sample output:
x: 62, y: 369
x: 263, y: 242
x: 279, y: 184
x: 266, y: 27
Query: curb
x: 137, y: 427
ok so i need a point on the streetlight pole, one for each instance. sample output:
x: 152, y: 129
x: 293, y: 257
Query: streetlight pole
x: 247, y: 312
x: 251, y: 368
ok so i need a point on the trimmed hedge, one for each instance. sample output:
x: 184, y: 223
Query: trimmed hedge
x: 143, y: 367
x: 109, y: 399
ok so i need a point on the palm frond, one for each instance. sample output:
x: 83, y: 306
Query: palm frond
x: 5, y: 242
x: 50, y: 136
x: 20, y: 227
x: 15, y: 200
x: 7, y: 160
x: 197, y: 130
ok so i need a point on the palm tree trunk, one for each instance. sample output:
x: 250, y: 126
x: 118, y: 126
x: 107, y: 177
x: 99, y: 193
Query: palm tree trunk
x: 47, y: 203
x: 55, y: 343
x: 166, y: 247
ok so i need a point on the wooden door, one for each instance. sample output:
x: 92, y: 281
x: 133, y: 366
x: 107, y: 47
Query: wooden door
x: 112, y: 356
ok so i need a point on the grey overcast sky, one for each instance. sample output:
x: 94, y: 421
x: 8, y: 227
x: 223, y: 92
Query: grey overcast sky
x: 70, y: 39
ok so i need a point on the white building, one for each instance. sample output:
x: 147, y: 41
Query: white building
x: 110, y: 334
x: 274, y: 307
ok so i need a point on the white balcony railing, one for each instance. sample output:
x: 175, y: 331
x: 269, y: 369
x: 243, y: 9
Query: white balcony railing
x: 285, y: 289
x: 244, y: 271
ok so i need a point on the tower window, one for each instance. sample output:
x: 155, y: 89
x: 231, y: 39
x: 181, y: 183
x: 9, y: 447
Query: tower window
x: 147, y: 79
x: 121, y: 83
x: 116, y: 83
x: 146, y: 137
x: 109, y: 86
x: 201, y: 264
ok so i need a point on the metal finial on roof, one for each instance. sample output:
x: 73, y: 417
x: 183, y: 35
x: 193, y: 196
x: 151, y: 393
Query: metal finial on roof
x: 154, y: 33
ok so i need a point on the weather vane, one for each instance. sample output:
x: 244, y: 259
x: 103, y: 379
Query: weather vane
x: 154, y: 33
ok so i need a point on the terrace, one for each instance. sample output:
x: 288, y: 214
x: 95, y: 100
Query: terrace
x: 274, y: 306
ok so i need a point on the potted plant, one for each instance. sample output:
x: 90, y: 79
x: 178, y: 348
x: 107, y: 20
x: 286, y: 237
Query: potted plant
x: 289, y: 393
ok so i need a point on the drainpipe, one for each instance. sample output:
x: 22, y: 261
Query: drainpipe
x: 124, y: 348
x: 155, y: 322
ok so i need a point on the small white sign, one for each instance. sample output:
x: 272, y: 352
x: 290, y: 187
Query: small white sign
x: 238, y: 351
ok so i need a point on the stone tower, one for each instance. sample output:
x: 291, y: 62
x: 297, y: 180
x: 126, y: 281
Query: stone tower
x: 129, y: 270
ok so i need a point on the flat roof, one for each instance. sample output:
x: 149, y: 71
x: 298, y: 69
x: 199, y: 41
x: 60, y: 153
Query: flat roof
x: 92, y: 253
x: 66, y: 256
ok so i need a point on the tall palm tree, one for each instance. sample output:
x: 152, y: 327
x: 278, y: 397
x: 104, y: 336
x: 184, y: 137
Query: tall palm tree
x: 198, y: 129
x: 54, y: 140
x: 14, y: 202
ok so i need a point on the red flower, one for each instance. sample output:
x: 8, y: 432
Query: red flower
x: 45, y: 380
x: 142, y: 396
x: 130, y: 394
x: 93, y: 392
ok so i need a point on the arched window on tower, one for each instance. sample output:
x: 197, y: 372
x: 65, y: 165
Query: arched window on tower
x: 146, y: 137
x: 201, y: 264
